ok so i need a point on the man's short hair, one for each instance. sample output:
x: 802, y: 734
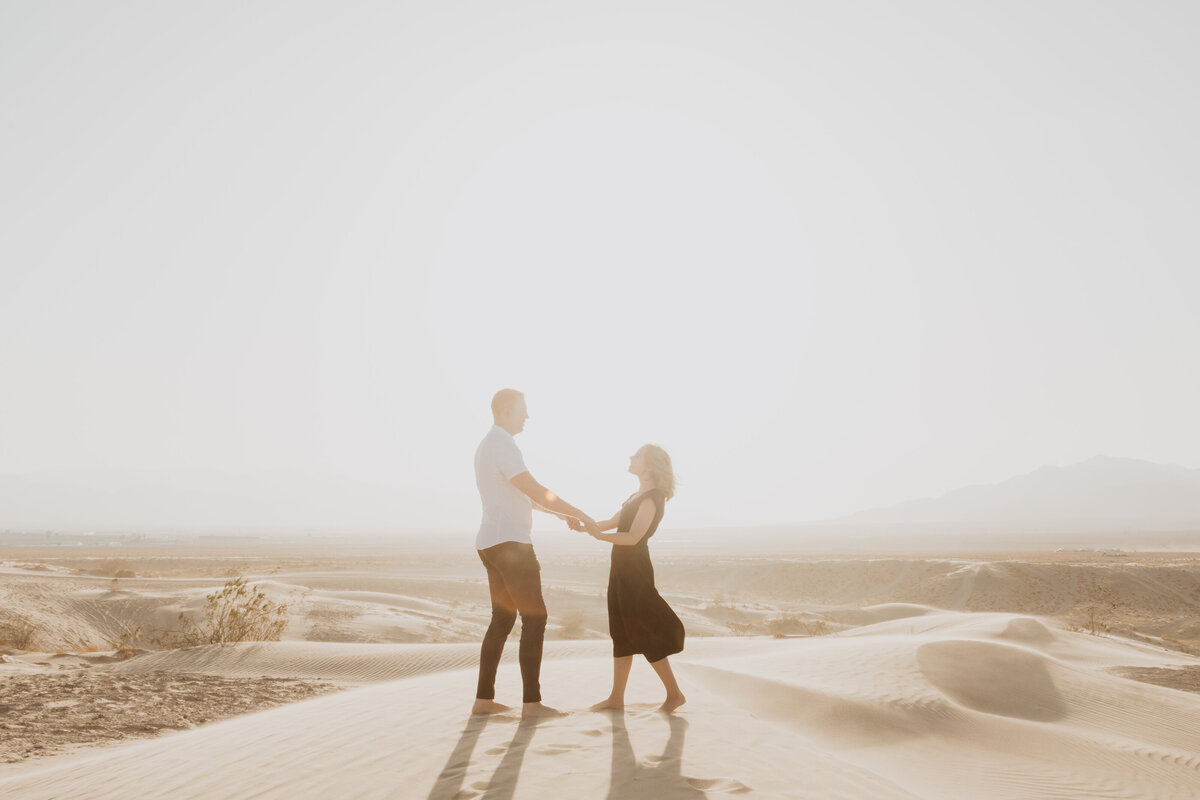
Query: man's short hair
x: 503, y: 400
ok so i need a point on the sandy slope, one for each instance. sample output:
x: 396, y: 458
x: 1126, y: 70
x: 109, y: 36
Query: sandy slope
x: 441, y: 599
x: 920, y: 704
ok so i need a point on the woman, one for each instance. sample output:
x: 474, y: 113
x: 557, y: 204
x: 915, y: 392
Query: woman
x: 639, y: 620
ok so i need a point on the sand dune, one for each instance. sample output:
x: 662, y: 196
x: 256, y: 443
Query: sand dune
x: 443, y: 600
x: 898, y: 677
x: 929, y: 704
x: 369, y: 663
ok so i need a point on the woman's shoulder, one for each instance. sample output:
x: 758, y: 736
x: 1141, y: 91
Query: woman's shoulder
x: 657, y: 495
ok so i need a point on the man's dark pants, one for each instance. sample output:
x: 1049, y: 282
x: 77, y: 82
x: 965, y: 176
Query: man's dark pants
x: 515, y: 583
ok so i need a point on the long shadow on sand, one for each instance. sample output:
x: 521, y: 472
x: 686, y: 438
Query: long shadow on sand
x: 504, y: 780
x: 451, y: 778
x: 662, y: 781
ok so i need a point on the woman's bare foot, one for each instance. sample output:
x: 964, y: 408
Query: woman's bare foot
x: 489, y: 707
x: 539, y: 711
x: 609, y: 704
x: 672, y: 702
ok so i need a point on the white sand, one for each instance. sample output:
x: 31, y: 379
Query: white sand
x: 926, y: 704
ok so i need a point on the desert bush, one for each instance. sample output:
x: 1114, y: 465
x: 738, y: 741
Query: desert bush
x: 1097, y: 613
x: 129, y: 643
x: 19, y: 632
x: 573, y: 624
x: 815, y: 627
x: 790, y: 625
x: 236, y: 613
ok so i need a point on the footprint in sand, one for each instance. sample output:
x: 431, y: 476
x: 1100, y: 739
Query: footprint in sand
x: 726, y: 785
x: 648, y: 714
x: 495, y: 751
x: 554, y: 749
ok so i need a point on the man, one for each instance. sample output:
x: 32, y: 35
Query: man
x: 509, y: 494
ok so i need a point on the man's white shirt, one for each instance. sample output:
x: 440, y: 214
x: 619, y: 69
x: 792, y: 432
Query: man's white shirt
x: 507, y: 511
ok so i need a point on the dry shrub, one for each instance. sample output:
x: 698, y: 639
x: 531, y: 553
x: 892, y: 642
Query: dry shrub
x: 1098, y: 612
x: 18, y: 632
x: 129, y: 642
x: 236, y: 613
x: 574, y: 624
x: 790, y: 625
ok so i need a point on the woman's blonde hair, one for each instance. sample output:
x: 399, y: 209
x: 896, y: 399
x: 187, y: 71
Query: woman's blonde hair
x: 659, y: 465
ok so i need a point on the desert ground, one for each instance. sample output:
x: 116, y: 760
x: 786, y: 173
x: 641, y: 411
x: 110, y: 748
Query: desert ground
x: 993, y: 675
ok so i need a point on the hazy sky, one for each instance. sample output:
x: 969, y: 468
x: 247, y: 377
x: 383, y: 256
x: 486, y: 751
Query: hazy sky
x: 830, y: 255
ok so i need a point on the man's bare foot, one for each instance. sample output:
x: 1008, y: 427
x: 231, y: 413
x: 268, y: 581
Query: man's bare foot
x: 539, y: 711
x: 672, y: 702
x: 609, y: 704
x: 489, y: 707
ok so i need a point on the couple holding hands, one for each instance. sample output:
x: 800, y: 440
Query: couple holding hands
x: 639, y: 620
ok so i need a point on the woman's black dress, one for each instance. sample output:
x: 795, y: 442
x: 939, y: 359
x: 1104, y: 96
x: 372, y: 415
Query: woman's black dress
x: 639, y: 620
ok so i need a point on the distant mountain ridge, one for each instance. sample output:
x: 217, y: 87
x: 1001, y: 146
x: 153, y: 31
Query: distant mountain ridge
x: 1101, y: 492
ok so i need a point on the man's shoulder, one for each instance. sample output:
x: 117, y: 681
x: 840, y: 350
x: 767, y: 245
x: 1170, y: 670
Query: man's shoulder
x: 497, y: 441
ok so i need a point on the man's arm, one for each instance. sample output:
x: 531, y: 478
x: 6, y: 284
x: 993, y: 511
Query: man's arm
x: 547, y: 500
x: 539, y: 507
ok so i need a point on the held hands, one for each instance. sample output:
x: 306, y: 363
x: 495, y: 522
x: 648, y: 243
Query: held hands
x: 584, y: 525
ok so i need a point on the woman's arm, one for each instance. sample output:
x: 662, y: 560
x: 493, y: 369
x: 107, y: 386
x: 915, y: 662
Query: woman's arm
x: 604, y: 525
x: 637, y: 530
